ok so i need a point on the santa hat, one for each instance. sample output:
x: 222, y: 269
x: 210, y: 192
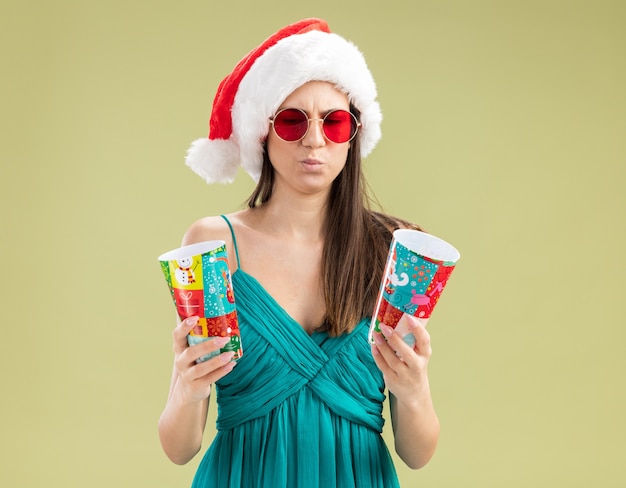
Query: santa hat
x: 301, y: 52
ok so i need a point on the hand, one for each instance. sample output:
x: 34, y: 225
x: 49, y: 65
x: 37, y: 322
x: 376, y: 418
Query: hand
x: 195, y: 379
x: 404, y: 367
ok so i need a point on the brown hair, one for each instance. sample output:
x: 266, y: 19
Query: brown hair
x: 356, y: 244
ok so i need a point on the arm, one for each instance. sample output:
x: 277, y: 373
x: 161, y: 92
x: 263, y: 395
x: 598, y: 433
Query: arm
x: 414, y: 421
x: 183, y: 420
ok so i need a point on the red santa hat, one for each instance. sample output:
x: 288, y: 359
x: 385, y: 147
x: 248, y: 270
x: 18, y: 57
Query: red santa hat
x: 301, y: 52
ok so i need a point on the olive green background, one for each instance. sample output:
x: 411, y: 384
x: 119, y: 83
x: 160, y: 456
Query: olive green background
x: 504, y: 133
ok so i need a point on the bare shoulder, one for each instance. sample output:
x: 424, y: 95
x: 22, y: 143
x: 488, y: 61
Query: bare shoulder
x: 207, y: 229
x: 212, y: 229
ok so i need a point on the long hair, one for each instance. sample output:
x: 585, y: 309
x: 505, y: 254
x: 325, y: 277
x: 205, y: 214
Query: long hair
x: 356, y: 242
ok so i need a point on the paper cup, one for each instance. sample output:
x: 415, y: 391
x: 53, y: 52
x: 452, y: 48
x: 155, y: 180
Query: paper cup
x: 200, y: 284
x: 417, y: 270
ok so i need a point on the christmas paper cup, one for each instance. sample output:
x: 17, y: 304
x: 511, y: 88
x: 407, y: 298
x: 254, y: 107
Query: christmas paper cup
x: 417, y: 270
x: 199, y: 281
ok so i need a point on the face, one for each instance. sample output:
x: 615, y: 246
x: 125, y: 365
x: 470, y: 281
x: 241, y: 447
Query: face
x: 311, y: 164
x: 184, y: 262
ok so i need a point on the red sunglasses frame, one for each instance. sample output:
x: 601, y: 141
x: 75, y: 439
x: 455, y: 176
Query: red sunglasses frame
x: 355, y: 123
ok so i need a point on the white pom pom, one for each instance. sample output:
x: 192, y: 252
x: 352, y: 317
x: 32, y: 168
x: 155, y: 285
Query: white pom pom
x: 216, y: 161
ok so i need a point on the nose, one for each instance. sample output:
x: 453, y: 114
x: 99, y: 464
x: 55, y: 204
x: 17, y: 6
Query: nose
x: 315, y: 135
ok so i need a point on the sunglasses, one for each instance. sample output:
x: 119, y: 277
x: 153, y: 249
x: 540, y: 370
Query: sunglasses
x: 292, y: 124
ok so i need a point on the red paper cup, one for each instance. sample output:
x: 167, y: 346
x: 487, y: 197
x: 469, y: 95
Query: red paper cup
x: 200, y: 284
x: 417, y: 270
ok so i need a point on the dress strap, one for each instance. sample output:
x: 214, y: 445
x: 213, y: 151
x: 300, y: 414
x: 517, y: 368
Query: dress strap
x: 232, y: 233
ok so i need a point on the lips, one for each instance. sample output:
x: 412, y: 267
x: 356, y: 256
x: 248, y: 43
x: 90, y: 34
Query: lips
x: 311, y: 162
x: 311, y: 165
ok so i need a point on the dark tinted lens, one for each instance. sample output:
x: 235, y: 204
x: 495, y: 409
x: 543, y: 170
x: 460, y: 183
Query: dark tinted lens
x: 339, y: 126
x: 291, y: 124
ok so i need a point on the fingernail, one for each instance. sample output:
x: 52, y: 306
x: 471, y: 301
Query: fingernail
x: 414, y: 322
x: 379, y: 339
x: 192, y: 320
x: 229, y: 367
x: 221, y: 341
x: 386, y: 330
x: 227, y: 356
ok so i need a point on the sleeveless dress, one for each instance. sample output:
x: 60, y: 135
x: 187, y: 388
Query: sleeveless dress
x: 299, y: 410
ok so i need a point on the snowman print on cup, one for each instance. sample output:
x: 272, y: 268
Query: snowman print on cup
x: 184, y: 272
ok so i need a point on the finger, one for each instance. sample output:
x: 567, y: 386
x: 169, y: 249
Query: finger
x: 388, y: 352
x: 207, y: 348
x: 180, y: 333
x: 213, y: 369
x: 199, y: 353
x: 214, y: 364
x: 378, y: 356
x: 404, y: 352
x: 422, y: 337
x: 389, y: 375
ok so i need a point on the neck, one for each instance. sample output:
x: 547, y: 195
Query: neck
x: 300, y: 217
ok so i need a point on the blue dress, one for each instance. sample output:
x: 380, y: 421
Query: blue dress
x: 299, y: 410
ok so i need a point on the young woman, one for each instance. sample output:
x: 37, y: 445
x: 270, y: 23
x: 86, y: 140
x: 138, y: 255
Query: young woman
x: 303, y: 406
